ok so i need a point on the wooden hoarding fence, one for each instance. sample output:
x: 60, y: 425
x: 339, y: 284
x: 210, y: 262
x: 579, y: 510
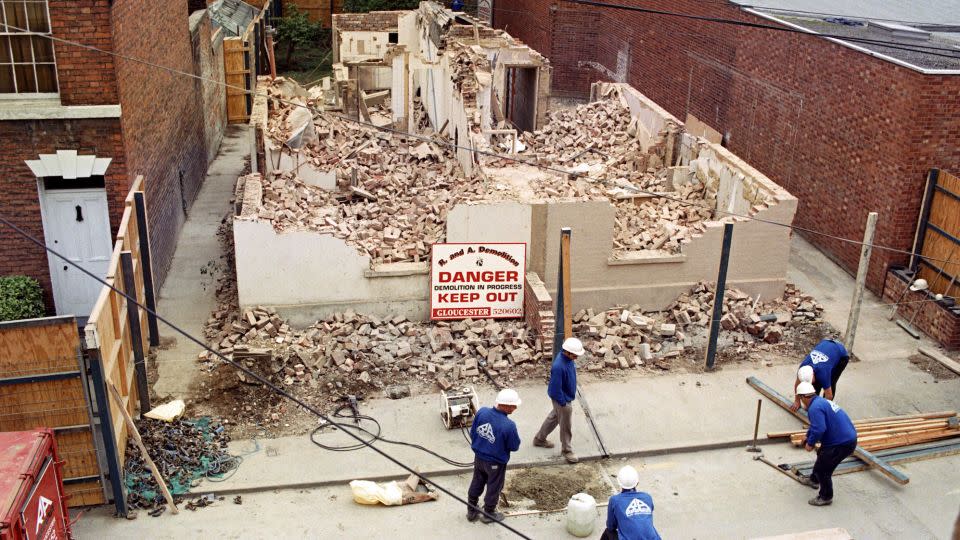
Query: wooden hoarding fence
x: 43, y: 384
x: 939, y: 238
x: 244, y: 57
x: 117, y: 333
x: 237, y: 76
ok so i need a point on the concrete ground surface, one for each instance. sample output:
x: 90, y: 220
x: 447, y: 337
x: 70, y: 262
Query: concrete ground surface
x: 703, y: 495
x: 292, y: 488
x: 188, y: 294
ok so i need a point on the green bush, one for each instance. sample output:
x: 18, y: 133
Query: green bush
x: 20, y: 298
x: 363, y: 6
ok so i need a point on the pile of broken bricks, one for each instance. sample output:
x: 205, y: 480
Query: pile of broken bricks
x: 765, y: 321
x: 374, y: 350
x: 392, y: 200
x: 624, y: 337
x: 656, y: 223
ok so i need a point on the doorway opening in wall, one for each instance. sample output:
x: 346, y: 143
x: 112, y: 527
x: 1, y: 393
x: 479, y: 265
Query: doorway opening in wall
x: 76, y: 223
x: 520, y: 105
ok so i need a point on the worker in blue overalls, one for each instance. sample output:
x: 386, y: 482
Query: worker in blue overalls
x: 822, y: 368
x: 630, y: 512
x: 834, y: 431
x: 493, y: 436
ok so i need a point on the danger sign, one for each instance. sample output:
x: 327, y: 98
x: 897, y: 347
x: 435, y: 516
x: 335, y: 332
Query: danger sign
x: 477, y: 281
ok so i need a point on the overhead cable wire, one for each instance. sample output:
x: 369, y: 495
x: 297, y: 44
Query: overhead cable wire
x: 262, y: 380
x: 506, y: 157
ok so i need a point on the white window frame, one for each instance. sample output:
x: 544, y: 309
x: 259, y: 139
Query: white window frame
x: 56, y: 76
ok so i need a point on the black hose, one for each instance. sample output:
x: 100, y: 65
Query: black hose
x: 375, y: 436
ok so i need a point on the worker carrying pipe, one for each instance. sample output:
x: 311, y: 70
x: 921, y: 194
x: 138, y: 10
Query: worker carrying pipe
x: 630, y: 512
x: 831, y: 427
x: 562, y: 390
x: 822, y: 368
x: 493, y: 436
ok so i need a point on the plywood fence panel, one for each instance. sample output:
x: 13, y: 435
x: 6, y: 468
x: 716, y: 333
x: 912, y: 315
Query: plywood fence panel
x: 45, y: 347
x: 237, y: 76
x: 939, y: 250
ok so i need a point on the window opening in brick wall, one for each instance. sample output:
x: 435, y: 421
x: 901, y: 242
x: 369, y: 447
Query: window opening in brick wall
x: 393, y: 37
x: 27, y: 64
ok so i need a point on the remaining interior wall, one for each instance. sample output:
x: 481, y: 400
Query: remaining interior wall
x: 307, y: 276
x: 507, y: 222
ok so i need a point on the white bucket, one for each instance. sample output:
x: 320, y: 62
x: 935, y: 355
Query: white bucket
x: 581, y: 515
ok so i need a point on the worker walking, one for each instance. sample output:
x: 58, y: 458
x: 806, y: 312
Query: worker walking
x: 562, y: 390
x: 493, y: 437
x: 822, y: 368
x: 831, y: 427
x: 630, y: 512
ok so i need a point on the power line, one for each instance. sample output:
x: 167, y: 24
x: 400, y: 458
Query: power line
x: 507, y: 157
x: 262, y: 380
x: 924, y: 49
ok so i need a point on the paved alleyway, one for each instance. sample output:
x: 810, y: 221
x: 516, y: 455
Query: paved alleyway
x: 188, y: 295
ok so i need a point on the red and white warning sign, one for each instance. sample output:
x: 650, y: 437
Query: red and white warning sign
x: 477, y: 281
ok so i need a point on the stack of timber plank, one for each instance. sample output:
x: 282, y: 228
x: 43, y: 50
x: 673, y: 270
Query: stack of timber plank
x: 895, y: 431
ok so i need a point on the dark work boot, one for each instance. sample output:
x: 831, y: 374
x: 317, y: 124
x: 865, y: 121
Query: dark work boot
x: 496, y: 516
x: 472, y: 512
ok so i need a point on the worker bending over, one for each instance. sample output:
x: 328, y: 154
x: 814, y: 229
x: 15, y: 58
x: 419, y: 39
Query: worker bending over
x: 493, y: 437
x: 630, y: 512
x: 562, y: 390
x: 822, y: 368
x: 831, y: 427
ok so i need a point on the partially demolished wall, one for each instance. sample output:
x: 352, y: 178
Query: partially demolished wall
x: 346, y: 220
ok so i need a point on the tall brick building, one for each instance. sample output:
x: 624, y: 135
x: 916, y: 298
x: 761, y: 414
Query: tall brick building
x: 846, y: 128
x: 61, y: 105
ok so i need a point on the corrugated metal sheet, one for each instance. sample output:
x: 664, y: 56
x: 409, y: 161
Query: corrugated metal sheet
x: 232, y: 15
x: 925, y: 11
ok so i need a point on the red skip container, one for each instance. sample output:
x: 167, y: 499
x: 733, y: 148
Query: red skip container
x: 32, y: 502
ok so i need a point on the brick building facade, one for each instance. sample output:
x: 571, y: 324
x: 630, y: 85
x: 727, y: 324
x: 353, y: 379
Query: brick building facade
x: 145, y: 120
x: 845, y: 131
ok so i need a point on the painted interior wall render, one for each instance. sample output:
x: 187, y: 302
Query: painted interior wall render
x: 307, y: 276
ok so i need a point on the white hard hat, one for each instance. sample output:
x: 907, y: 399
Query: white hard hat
x: 508, y: 396
x: 919, y: 285
x: 805, y: 374
x: 628, y: 477
x: 805, y: 389
x: 573, y: 346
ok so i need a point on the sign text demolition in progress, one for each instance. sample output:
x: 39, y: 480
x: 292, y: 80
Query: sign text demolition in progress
x: 476, y: 281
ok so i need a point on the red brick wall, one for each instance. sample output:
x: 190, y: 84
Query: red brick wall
x: 162, y: 118
x: 845, y: 132
x: 85, y: 77
x: 927, y: 316
x: 208, y: 63
x: 21, y: 141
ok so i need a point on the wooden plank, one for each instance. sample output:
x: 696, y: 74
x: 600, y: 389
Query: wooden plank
x: 863, y: 454
x: 894, y: 457
x: 236, y: 75
x: 44, y: 347
x: 940, y: 357
x: 84, y: 494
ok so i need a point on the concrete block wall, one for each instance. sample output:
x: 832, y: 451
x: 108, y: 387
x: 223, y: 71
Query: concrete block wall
x: 845, y: 132
x: 307, y: 276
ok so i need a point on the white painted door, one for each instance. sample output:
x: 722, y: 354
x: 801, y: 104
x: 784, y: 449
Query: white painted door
x: 76, y: 224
